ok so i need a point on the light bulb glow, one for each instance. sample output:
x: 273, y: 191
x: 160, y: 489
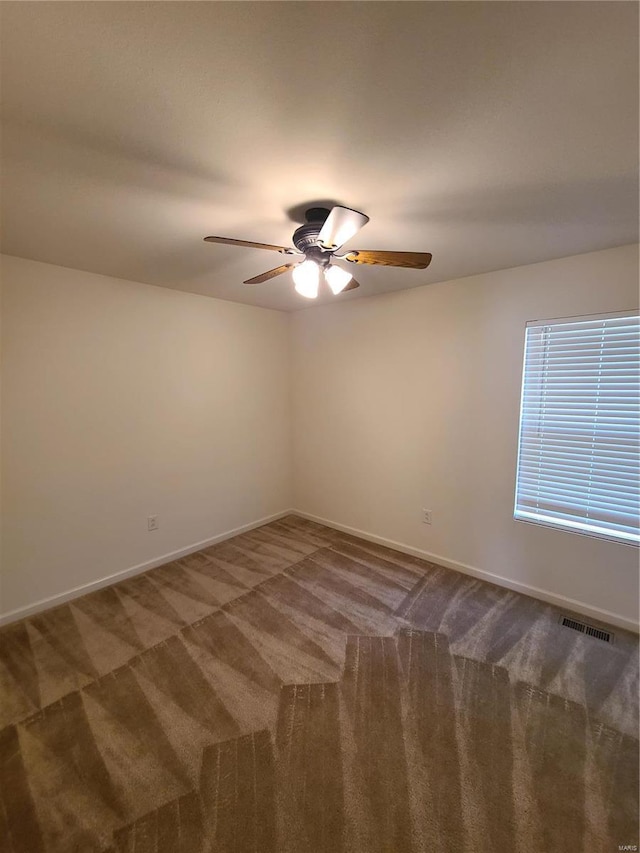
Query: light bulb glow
x: 306, y: 277
x: 337, y: 279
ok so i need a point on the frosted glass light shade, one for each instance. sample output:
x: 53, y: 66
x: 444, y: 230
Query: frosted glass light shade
x: 306, y: 277
x: 337, y: 279
x: 341, y: 225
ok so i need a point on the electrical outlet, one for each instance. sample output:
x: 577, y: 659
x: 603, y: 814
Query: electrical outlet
x: 152, y: 522
x: 426, y: 516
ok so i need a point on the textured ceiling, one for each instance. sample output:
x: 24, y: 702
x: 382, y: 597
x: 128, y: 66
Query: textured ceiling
x: 491, y: 134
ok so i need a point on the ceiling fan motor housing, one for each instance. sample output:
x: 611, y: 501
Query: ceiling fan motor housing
x: 305, y: 238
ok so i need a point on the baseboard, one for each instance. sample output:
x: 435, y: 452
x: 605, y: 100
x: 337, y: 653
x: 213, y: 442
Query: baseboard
x: 562, y: 601
x: 77, y: 591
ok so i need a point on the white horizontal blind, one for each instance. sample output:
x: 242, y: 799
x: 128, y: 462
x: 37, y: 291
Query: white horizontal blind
x: 578, y: 456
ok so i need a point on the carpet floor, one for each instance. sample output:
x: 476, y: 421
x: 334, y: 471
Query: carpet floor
x: 298, y: 690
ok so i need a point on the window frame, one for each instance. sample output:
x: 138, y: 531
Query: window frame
x: 563, y: 525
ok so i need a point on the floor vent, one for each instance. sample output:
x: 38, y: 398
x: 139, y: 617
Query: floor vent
x: 589, y: 630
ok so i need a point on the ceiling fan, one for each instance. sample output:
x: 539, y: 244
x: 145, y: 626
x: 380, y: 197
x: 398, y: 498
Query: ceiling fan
x: 317, y: 243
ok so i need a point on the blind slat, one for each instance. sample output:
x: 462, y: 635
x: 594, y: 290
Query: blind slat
x: 582, y: 485
x: 577, y: 469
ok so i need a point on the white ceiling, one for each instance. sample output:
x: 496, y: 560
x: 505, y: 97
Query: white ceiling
x: 491, y: 134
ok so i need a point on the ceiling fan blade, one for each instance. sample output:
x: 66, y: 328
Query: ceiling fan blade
x: 351, y: 286
x: 265, y: 276
x: 229, y: 241
x: 341, y: 225
x: 410, y: 260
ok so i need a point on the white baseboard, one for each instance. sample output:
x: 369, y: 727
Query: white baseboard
x: 544, y: 595
x: 562, y: 601
x: 77, y: 591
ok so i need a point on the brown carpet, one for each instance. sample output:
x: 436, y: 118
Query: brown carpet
x: 296, y: 689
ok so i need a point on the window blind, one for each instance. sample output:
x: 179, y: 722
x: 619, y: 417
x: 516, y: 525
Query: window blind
x: 578, y: 454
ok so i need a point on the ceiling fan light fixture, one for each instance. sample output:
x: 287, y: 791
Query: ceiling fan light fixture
x: 306, y: 277
x: 337, y: 279
x: 316, y: 244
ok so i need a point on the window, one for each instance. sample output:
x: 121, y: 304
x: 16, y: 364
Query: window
x: 578, y: 463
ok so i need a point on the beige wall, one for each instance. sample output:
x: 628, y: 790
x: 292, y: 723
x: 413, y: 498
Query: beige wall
x: 122, y: 400
x: 411, y: 400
